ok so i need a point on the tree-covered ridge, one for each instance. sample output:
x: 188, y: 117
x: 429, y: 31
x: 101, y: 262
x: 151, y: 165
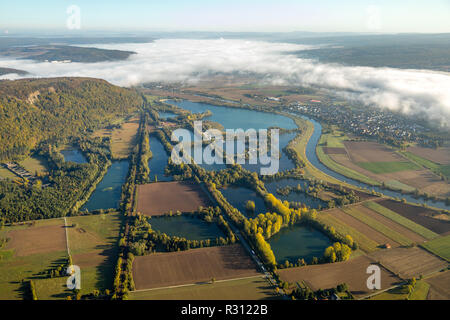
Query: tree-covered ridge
x: 64, y: 53
x: 4, y: 71
x: 34, y: 110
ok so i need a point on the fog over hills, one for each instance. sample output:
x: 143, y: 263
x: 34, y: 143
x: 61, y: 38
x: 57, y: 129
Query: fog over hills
x: 410, y: 91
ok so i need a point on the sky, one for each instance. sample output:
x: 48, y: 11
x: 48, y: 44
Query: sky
x: 386, y: 16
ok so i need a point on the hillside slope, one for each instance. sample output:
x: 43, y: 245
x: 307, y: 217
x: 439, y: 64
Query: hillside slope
x: 33, y: 110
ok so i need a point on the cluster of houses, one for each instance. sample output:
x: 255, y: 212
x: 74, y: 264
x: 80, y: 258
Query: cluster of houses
x: 364, y: 121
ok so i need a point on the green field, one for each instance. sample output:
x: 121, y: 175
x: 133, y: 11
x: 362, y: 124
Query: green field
x: 397, y: 185
x: 417, y: 228
x: 6, y: 174
x: 332, y: 140
x: 420, y: 291
x: 255, y: 288
x: 397, y: 293
x: 35, y: 164
x: 439, y: 246
x: 364, y: 243
x: 14, y: 269
x: 388, y: 166
x: 388, y: 232
x: 435, y: 167
x: 93, y: 247
x: 327, y: 161
x: 98, y: 246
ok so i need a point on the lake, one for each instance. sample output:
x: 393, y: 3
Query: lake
x: 298, y: 242
x: 158, y: 162
x: 107, y: 193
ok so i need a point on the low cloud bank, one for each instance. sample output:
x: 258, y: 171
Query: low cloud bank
x: 413, y: 92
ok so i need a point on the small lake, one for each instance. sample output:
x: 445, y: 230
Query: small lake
x: 108, y: 191
x: 158, y: 162
x: 238, y: 196
x: 187, y: 227
x: 293, y: 196
x: 298, y: 242
x: 73, y: 155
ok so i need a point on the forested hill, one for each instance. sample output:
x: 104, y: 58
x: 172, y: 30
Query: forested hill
x: 33, y: 110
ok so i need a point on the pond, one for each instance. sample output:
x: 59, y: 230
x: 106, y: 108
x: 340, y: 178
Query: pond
x: 187, y: 227
x: 73, y: 155
x: 107, y: 193
x: 158, y: 162
x: 298, y: 242
x: 294, y: 196
x: 238, y: 196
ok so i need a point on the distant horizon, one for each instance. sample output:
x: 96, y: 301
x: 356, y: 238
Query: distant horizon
x: 65, y: 32
x: 382, y: 16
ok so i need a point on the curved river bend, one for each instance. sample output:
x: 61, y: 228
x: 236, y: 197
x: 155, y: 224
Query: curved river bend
x: 245, y: 118
x: 312, y: 158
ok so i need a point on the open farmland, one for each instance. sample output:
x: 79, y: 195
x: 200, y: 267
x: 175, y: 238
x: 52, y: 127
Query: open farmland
x: 93, y: 246
x: 37, y: 239
x: 351, y: 272
x: 362, y: 227
x: 420, y: 215
x: 392, y: 225
x: 365, y: 215
x: 374, y: 163
x: 408, y: 224
x: 32, y: 248
x: 192, y: 266
x: 439, y: 286
x: 409, y: 262
x: 364, y: 242
x: 253, y: 288
x: 159, y: 198
x: 439, y: 156
x: 123, y: 139
x: 440, y: 247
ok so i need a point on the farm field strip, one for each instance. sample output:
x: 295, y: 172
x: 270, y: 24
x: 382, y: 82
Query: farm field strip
x: 418, y: 214
x: 409, y: 262
x: 192, y: 266
x: 435, y: 167
x: 333, y: 165
x: 380, y: 227
x: 417, y: 228
x: 351, y: 272
x: 364, y: 243
x: 249, y: 288
x: 161, y: 197
x: 388, y: 223
x: 388, y: 166
x: 439, y: 247
x: 439, y: 286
